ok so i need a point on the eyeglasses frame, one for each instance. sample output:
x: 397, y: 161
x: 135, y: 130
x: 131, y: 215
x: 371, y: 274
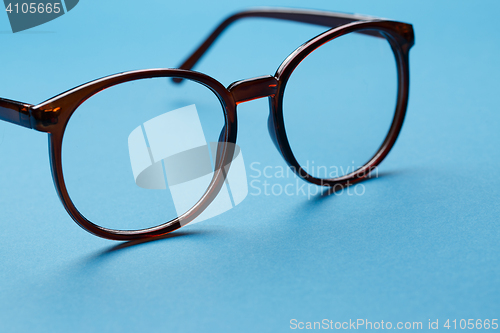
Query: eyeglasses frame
x: 53, y: 115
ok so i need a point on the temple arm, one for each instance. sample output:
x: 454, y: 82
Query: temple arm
x: 326, y: 19
x: 15, y: 112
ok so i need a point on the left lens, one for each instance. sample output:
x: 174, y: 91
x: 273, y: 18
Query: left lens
x: 137, y: 155
x: 339, y: 104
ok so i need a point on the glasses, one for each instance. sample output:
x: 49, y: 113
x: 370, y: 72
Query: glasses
x: 135, y: 143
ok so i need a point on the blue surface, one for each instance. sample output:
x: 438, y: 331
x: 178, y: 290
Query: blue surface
x: 421, y: 243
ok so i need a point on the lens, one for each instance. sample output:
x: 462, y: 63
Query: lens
x: 139, y: 154
x: 339, y: 104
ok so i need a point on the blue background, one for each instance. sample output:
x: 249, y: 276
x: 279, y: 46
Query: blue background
x: 422, y: 242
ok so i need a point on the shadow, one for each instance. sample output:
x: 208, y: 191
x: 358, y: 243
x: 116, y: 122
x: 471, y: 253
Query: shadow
x: 337, y: 190
x: 135, y: 243
x: 104, y: 254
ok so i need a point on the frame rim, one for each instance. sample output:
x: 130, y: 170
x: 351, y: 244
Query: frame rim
x: 53, y: 115
x: 400, y: 37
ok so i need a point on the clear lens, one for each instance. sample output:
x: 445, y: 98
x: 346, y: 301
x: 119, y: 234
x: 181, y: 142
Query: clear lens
x: 339, y: 104
x: 138, y: 154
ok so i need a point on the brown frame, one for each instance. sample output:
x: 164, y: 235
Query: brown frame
x: 53, y: 115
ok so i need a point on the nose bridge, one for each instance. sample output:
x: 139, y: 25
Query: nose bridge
x: 254, y: 88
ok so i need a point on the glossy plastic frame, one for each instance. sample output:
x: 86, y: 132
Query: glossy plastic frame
x: 53, y: 115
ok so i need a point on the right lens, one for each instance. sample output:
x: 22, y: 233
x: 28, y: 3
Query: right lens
x: 138, y: 154
x: 339, y: 104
